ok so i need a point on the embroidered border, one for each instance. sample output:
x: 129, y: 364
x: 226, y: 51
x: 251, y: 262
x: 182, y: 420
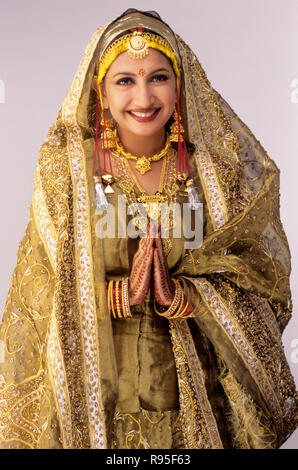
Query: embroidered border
x: 84, y: 265
x: 268, y: 316
x: 224, y: 317
x: 59, y: 382
x: 20, y: 420
x: 199, y: 425
x: 214, y: 197
x: 43, y: 220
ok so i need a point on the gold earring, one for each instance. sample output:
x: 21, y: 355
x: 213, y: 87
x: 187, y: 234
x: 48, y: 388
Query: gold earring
x: 109, y: 140
x: 174, y: 137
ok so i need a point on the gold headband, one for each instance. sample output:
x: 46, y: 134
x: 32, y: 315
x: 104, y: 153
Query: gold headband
x: 137, y: 45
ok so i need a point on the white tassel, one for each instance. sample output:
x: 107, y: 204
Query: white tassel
x: 99, y: 195
x: 193, y: 197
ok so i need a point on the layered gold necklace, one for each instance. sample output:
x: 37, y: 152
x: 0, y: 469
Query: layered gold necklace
x: 143, y: 162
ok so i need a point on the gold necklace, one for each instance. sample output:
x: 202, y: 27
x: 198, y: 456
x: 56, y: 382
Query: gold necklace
x: 143, y: 163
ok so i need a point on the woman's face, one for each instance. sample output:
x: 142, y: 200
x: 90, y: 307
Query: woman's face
x: 140, y: 93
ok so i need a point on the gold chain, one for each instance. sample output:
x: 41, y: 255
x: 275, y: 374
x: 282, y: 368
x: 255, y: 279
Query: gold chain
x: 143, y: 163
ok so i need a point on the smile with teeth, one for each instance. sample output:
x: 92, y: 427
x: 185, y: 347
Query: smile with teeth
x: 142, y: 114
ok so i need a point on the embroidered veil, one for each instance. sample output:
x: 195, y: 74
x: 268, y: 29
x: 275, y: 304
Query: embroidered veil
x: 58, y: 380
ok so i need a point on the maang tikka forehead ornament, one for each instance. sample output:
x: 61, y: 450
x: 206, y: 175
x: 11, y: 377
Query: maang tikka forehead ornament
x: 137, y: 43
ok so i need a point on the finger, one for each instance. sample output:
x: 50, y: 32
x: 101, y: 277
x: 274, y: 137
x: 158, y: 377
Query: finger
x: 157, y: 271
x: 145, y: 263
x: 158, y: 241
x: 145, y: 277
x: 162, y: 275
x: 163, y: 259
x: 153, y: 229
x: 158, y: 289
x: 144, y: 245
x: 142, y: 262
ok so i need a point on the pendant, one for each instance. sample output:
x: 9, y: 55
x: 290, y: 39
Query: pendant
x: 107, y: 179
x: 143, y: 165
x: 181, y: 177
x: 151, y: 203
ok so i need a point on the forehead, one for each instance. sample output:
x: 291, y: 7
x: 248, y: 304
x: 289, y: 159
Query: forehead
x: 125, y: 63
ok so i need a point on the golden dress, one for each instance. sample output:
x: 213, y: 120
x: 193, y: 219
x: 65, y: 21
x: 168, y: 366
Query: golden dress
x: 73, y: 377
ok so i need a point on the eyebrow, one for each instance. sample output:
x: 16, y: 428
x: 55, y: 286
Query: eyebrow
x: 135, y: 75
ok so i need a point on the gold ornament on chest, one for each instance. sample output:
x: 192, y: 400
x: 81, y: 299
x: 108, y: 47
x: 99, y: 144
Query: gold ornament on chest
x: 151, y: 203
x: 143, y: 163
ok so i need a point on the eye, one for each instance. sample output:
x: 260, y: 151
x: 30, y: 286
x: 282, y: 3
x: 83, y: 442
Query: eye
x: 160, y: 78
x: 124, y: 81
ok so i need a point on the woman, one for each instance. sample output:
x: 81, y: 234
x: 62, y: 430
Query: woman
x: 137, y: 338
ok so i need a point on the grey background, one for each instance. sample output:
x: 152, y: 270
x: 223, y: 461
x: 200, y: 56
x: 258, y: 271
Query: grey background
x: 248, y: 49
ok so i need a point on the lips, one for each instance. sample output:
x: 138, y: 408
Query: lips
x: 144, y: 115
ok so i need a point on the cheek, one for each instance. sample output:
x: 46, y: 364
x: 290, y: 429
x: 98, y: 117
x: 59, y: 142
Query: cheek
x: 169, y: 96
x: 117, y: 101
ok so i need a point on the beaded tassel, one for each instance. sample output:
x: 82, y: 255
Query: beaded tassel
x: 99, y: 195
x: 100, y: 199
x: 193, y: 198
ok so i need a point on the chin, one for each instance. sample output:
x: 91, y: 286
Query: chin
x: 146, y: 130
x: 146, y: 133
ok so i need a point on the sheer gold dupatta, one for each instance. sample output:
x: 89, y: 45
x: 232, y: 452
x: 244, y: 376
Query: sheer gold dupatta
x: 58, y: 371
x: 56, y: 332
x: 238, y: 280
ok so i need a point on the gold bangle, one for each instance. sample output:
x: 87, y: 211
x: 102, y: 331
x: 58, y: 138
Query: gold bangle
x: 176, y: 313
x: 112, y: 297
x: 182, y: 312
x: 176, y: 309
x: 125, y: 298
x: 109, y: 297
x: 173, y: 307
x: 176, y: 305
x: 119, y: 314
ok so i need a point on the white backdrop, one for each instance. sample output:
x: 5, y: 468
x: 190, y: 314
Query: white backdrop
x: 248, y: 49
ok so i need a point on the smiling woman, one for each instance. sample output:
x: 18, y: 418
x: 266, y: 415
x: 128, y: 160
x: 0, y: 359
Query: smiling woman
x: 141, y: 104
x: 148, y: 337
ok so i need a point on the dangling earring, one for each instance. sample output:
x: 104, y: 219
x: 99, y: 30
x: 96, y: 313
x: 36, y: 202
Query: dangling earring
x: 108, y: 134
x: 174, y: 135
x: 183, y: 158
x: 101, y: 180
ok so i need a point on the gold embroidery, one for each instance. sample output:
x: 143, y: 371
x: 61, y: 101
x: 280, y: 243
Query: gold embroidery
x: 20, y: 406
x: 250, y: 427
x: 199, y: 425
x: 147, y: 430
x: 224, y: 317
x: 86, y: 299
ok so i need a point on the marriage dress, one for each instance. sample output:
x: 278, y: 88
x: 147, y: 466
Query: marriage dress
x: 71, y: 375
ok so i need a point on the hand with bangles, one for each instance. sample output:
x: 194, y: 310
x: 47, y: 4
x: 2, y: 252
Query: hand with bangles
x: 164, y: 287
x: 140, y: 275
x: 149, y: 263
x: 133, y: 290
x: 150, y: 251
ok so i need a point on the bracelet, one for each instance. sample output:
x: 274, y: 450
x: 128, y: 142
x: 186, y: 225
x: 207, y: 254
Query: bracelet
x: 186, y: 310
x: 118, y: 301
x: 179, y: 308
x: 125, y: 298
x: 174, y: 307
x: 110, y: 298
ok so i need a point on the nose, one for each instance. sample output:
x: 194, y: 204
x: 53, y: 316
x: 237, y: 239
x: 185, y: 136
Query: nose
x: 144, y: 98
